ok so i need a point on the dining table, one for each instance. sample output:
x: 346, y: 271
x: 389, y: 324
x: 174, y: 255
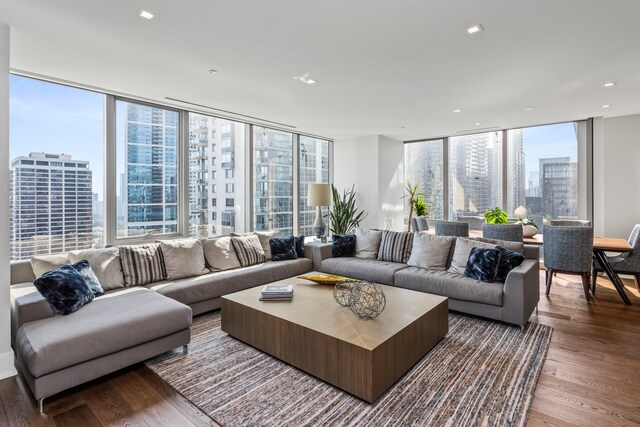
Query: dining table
x: 601, y: 245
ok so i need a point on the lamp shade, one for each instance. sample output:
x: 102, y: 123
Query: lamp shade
x: 319, y: 195
x: 521, y: 212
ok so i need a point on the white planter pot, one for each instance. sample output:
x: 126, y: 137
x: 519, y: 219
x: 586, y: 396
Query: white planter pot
x: 529, y: 231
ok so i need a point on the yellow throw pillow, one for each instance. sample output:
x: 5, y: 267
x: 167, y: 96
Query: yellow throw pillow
x: 326, y: 279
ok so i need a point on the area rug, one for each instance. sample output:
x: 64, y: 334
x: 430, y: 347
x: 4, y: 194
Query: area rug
x: 481, y: 373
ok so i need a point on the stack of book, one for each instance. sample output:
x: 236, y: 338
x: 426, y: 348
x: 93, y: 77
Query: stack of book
x: 277, y: 293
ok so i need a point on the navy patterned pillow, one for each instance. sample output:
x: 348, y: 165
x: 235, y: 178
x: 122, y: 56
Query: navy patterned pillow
x: 283, y: 248
x: 343, y: 245
x: 483, y: 264
x: 508, y: 261
x: 300, y: 246
x: 84, y: 268
x: 64, y: 289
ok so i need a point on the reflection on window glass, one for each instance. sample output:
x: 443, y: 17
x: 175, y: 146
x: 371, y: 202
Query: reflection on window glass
x: 211, y: 138
x: 475, y: 174
x: 314, y: 167
x: 147, y: 169
x: 56, y: 153
x: 424, y: 166
x: 543, y: 171
x: 273, y: 180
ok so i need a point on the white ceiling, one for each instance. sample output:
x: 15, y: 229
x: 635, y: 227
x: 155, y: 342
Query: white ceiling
x: 396, y: 68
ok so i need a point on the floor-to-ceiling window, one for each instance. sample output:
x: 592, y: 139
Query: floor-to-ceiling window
x: 424, y: 166
x: 314, y: 167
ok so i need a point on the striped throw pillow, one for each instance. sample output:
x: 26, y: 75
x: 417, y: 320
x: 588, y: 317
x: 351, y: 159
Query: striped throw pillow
x: 395, y: 246
x: 248, y: 249
x: 142, y: 264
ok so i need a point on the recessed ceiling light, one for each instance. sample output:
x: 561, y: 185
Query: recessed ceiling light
x: 146, y: 14
x: 606, y: 106
x: 305, y: 79
x: 213, y: 71
x: 457, y: 110
x: 529, y: 108
x: 475, y: 29
x: 609, y: 84
x: 477, y: 123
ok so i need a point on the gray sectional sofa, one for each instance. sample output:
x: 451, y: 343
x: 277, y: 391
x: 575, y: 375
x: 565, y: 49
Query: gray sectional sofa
x: 511, y: 302
x: 123, y: 326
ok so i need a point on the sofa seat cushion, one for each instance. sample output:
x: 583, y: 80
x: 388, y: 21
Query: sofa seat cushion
x: 450, y: 285
x: 115, y: 321
x: 213, y: 285
x: 363, y: 269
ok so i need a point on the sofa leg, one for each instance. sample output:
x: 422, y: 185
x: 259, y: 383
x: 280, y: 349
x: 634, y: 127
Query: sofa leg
x: 536, y: 309
x: 549, y: 280
x: 41, y: 405
x: 185, y: 349
x: 522, y: 328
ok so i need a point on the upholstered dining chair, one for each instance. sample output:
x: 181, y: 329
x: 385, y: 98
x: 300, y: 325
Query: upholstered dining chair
x: 419, y: 223
x: 571, y: 222
x: 452, y: 228
x: 627, y: 263
x: 568, y: 249
x: 508, y: 232
x: 475, y: 222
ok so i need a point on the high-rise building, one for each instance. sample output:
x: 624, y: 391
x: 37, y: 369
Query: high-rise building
x: 516, y: 190
x: 559, y: 187
x: 51, y: 205
x: 424, y: 167
x: 314, y: 167
x: 533, y: 184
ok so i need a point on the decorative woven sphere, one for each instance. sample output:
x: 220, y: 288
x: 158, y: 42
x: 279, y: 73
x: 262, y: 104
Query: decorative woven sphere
x: 366, y: 299
x: 342, y: 292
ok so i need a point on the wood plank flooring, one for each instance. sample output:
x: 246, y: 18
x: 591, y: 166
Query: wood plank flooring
x: 591, y: 376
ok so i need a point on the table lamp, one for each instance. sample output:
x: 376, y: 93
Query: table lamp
x: 319, y: 195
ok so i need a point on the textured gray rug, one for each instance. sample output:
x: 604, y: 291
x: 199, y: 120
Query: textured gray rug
x: 481, y: 373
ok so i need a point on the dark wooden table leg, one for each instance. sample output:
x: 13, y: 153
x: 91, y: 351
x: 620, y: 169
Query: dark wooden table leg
x: 613, y: 276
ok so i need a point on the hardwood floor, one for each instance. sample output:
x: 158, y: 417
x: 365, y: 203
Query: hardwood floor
x: 591, y: 375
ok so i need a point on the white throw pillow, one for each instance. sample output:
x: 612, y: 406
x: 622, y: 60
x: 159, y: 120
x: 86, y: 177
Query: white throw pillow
x: 183, y: 258
x: 105, y: 263
x: 462, y: 252
x: 367, y: 243
x: 220, y: 254
x: 43, y: 263
x: 430, y: 251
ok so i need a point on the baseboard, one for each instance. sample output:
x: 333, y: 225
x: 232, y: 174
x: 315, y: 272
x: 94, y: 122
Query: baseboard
x: 7, y: 368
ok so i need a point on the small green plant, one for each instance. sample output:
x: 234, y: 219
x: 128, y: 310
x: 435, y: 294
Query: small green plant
x: 411, y: 196
x: 495, y: 216
x: 344, y: 215
x: 527, y: 221
x: 420, y: 207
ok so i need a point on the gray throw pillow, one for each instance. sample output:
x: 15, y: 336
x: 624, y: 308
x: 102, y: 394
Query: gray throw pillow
x: 105, y: 264
x: 220, y: 254
x: 367, y: 243
x: 43, y: 263
x: 462, y: 252
x: 430, y: 251
x: 183, y: 258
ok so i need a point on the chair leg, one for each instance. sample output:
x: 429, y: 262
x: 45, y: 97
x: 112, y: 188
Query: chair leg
x: 585, y: 285
x: 549, y: 280
x: 594, y: 278
x: 637, y: 276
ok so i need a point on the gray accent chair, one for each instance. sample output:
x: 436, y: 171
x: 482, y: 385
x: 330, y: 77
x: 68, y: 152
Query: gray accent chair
x: 571, y: 222
x: 508, y: 232
x: 475, y: 222
x: 452, y: 228
x: 419, y: 223
x: 568, y: 249
x: 627, y: 263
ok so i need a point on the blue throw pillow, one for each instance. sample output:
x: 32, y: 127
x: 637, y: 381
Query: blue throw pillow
x: 483, y: 264
x: 343, y: 245
x: 283, y: 248
x: 300, y: 246
x: 508, y: 261
x: 84, y: 268
x: 64, y: 289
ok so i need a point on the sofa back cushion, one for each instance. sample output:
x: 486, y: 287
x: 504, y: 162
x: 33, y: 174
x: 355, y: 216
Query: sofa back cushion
x: 430, y: 251
x: 142, y: 264
x: 512, y: 246
x: 395, y: 246
x: 43, y: 263
x: 367, y: 243
x: 183, y: 258
x: 64, y: 289
x: 219, y: 254
x: 105, y: 263
x: 462, y: 251
x: 248, y: 249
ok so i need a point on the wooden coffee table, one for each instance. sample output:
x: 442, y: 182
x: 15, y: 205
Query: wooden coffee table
x: 319, y: 336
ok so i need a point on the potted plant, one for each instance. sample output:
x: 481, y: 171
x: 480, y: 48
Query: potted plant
x: 529, y: 228
x: 495, y: 216
x: 344, y: 216
x: 420, y: 207
x: 412, y: 196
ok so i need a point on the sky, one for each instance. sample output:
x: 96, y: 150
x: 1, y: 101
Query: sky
x: 548, y: 141
x: 57, y: 119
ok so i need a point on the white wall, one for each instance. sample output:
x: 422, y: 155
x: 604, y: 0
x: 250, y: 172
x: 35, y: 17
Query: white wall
x: 6, y: 355
x: 616, y: 154
x: 375, y: 165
